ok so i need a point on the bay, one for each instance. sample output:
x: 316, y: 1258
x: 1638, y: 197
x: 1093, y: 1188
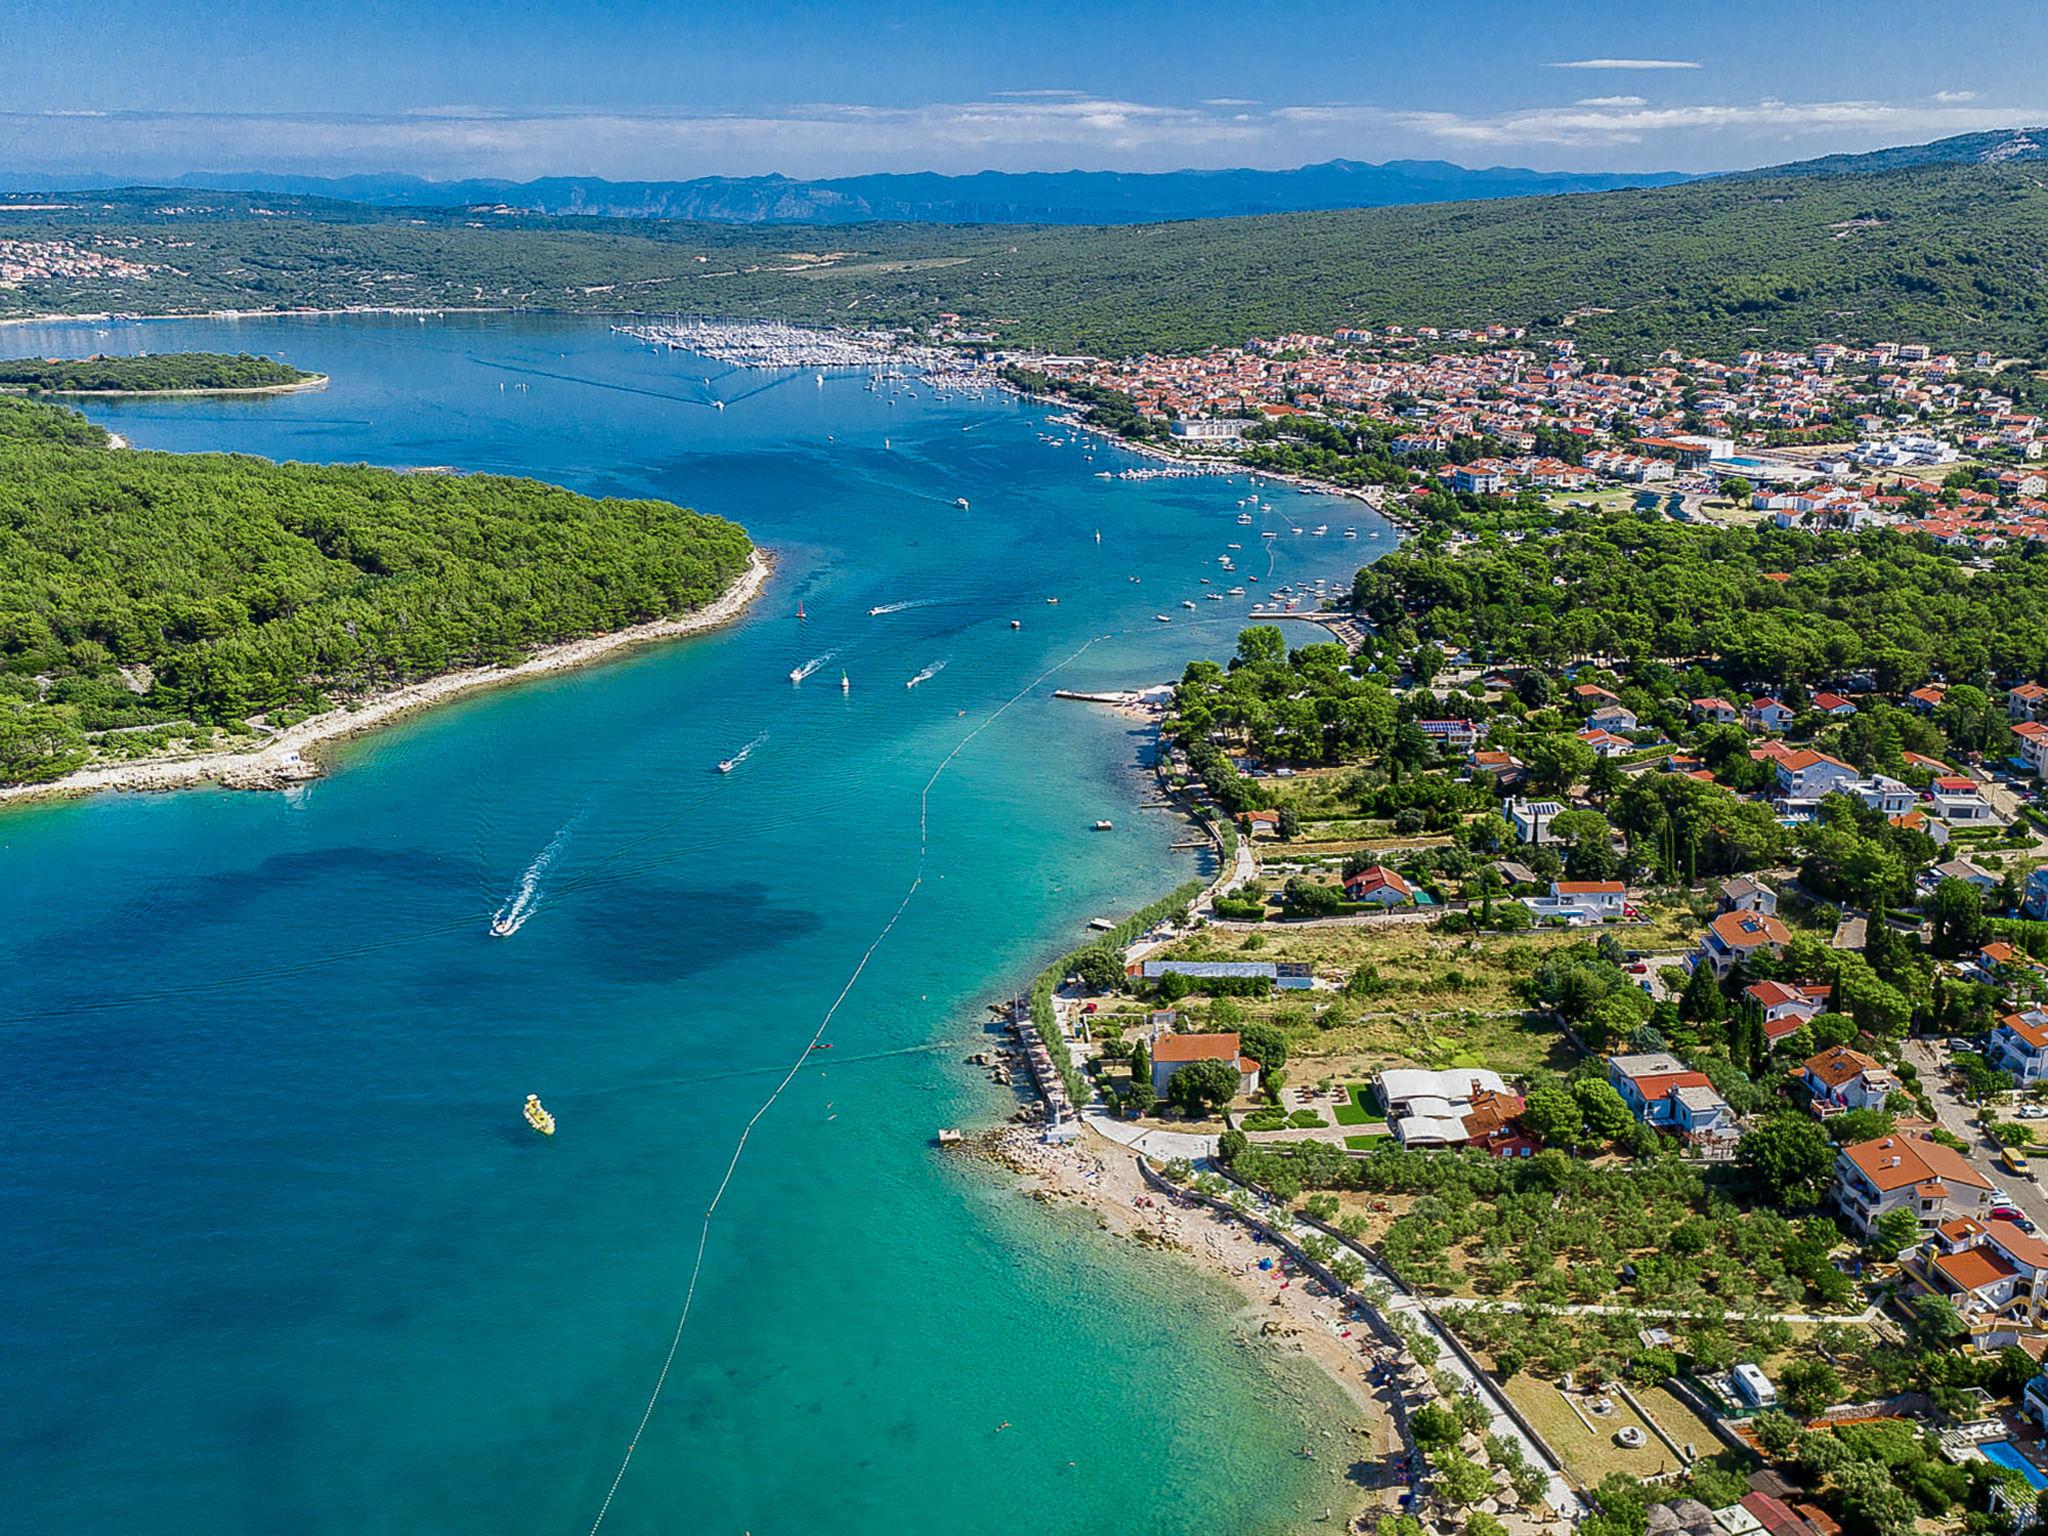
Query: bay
x: 284, y: 1256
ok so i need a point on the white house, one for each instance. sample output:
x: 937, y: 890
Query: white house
x: 2031, y: 744
x: 1734, y: 937
x: 2019, y: 1045
x: 1767, y: 715
x: 1430, y: 1107
x: 1613, y: 717
x: 1960, y: 802
x: 1531, y: 818
x: 1744, y: 893
x: 1786, y: 1008
x: 1807, y: 775
x: 1886, y: 796
x: 1379, y: 887
x: 1580, y: 902
x: 1989, y: 1266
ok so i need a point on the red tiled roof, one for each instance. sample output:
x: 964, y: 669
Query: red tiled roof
x: 1195, y: 1048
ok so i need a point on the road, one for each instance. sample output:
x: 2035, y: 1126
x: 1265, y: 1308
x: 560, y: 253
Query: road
x: 1929, y: 1058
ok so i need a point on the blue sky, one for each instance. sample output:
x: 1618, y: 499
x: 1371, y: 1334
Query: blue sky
x: 525, y: 88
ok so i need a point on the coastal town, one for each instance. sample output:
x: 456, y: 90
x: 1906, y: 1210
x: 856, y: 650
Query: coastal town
x: 1833, y: 438
x: 1620, y: 1044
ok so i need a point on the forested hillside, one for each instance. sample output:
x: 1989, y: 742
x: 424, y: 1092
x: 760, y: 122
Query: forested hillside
x: 148, y: 593
x: 164, y: 372
x: 1948, y: 254
x: 1771, y: 609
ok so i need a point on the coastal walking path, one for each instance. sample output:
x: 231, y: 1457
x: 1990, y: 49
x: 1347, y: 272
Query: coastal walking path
x: 1603, y: 1309
x: 1499, y: 1421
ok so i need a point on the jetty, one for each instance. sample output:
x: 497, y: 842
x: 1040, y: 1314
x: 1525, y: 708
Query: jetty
x: 1045, y: 1072
x: 1347, y: 627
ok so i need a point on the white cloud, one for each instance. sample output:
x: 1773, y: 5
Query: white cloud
x: 1955, y: 96
x: 1625, y: 64
x: 1038, y: 130
x: 1870, y: 121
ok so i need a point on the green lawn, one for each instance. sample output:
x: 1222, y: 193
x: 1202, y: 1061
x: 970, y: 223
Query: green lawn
x: 1358, y: 1109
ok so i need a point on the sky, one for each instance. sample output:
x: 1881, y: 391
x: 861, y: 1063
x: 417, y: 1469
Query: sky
x: 681, y: 88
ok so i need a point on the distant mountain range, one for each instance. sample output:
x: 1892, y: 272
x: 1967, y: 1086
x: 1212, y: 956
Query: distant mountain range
x: 1992, y: 148
x: 987, y: 197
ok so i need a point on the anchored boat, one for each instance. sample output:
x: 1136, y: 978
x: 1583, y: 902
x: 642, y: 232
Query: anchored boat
x: 538, y: 1117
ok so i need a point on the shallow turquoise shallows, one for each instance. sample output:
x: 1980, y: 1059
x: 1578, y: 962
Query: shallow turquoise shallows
x: 282, y: 1256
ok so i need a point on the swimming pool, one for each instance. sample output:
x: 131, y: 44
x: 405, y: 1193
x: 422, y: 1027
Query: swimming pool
x: 2007, y: 1455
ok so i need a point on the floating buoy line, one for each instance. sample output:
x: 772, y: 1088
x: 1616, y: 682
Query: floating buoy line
x: 796, y: 1066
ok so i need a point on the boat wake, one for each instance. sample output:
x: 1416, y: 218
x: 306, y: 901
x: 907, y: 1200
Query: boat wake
x: 742, y: 755
x: 798, y: 674
x: 525, y: 898
x: 916, y: 602
x: 927, y: 674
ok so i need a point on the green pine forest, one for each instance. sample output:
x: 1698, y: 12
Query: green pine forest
x: 1946, y: 254
x: 158, y: 374
x: 152, y: 598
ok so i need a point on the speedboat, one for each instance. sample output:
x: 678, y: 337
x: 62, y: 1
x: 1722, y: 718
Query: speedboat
x: 845, y: 683
x: 1104, y: 826
x: 725, y: 766
x: 503, y: 926
x: 873, y: 611
x: 1162, y: 618
x: 960, y: 502
x: 1244, y: 519
x: 796, y: 674
x: 1350, y: 533
x: 1187, y: 602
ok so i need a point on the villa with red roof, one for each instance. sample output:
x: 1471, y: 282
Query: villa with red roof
x: 1989, y: 1266
x: 1172, y: 1052
x: 1378, y: 886
x: 2027, y: 701
x: 2033, y: 746
x: 1663, y: 1091
x: 1804, y: 774
x: 1734, y: 937
x: 1936, y: 1183
x: 1786, y: 1008
x: 1839, y: 1079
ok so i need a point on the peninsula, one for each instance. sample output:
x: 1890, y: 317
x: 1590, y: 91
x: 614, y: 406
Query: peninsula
x: 168, y: 373
x: 232, y: 612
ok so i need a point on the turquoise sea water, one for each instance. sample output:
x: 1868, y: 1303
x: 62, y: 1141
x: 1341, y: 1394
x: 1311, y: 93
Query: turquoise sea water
x: 283, y: 1256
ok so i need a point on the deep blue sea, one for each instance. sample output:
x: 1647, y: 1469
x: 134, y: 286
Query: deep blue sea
x: 282, y: 1255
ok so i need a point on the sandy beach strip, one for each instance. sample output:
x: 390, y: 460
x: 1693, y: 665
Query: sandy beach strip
x: 1293, y: 1313
x: 282, y: 759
